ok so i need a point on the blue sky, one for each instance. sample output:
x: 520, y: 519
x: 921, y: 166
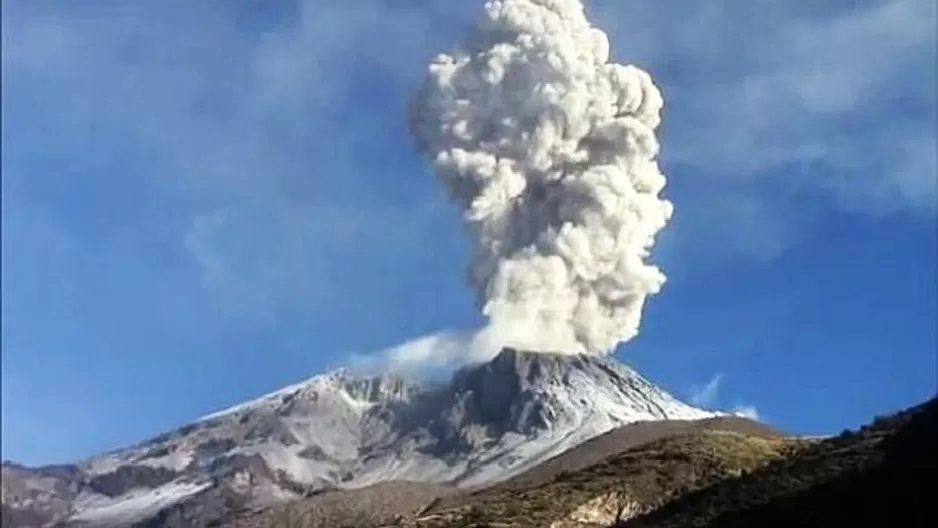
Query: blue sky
x: 204, y: 201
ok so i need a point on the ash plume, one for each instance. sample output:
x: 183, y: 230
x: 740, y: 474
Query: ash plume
x: 549, y: 149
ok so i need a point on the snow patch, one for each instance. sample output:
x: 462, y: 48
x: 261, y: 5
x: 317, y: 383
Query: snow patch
x: 268, y: 398
x: 134, y: 505
x: 175, y: 460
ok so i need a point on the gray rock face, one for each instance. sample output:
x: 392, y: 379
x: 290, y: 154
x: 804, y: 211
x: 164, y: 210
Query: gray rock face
x: 126, y: 478
x: 35, y: 497
x: 489, y: 423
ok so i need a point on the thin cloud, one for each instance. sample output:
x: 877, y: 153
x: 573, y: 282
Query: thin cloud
x: 260, y: 261
x: 746, y: 411
x: 706, y: 395
x: 252, y: 130
x: 437, y: 352
x: 415, y: 357
x: 768, y: 103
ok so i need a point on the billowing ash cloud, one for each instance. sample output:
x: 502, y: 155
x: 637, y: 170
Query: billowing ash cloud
x: 549, y: 149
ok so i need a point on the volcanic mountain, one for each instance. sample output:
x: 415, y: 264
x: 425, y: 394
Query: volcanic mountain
x: 490, y: 422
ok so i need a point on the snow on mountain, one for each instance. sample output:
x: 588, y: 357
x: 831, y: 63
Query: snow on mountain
x: 492, y: 421
x: 505, y: 416
x: 133, y: 506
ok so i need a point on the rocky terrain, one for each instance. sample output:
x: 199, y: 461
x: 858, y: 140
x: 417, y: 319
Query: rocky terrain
x: 337, y: 431
x: 552, y: 490
x: 718, y: 472
x: 526, y: 440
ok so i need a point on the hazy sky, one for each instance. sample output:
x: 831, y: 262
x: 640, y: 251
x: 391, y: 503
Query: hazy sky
x: 204, y: 201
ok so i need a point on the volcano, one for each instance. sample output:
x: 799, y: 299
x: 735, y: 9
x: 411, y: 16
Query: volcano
x: 490, y: 422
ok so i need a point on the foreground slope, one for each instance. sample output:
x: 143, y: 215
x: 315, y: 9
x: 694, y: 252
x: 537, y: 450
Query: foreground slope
x: 721, y: 475
x: 615, y: 442
x: 338, y: 431
x: 885, y: 474
x: 637, y: 479
x: 591, y: 474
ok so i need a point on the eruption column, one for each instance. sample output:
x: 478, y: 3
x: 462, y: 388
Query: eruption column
x: 549, y: 150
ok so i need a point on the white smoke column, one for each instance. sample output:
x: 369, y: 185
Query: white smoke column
x: 550, y: 150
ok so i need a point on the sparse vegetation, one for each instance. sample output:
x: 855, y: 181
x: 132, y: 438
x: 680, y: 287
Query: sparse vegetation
x: 645, y: 475
x: 881, y: 475
x: 296, y: 516
x: 385, y: 504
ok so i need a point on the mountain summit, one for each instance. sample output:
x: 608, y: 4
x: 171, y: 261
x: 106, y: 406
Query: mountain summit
x: 490, y: 422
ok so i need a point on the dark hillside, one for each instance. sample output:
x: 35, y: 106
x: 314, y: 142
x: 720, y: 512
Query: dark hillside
x: 883, y: 475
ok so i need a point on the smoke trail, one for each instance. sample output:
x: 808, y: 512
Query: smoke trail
x: 550, y: 150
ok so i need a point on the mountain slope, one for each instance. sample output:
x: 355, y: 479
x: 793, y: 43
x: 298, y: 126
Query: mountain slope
x: 380, y: 504
x: 607, y: 446
x: 885, y: 474
x: 636, y: 479
x: 501, y: 418
x: 553, y: 490
x: 614, y: 442
x: 492, y: 421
